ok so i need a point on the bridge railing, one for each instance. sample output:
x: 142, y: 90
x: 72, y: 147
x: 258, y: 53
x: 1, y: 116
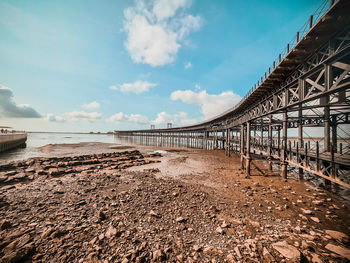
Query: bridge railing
x: 314, y: 18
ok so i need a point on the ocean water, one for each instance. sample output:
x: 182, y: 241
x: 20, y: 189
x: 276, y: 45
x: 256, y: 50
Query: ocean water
x: 37, y: 140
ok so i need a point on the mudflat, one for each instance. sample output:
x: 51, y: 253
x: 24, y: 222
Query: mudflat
x: 148, y: 204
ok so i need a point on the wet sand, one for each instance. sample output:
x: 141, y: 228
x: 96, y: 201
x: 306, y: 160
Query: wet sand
x: 188, y: 205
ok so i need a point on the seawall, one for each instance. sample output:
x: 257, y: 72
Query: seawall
x: 12, y: 140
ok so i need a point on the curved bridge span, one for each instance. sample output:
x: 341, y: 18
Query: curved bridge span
x: 298, y: 113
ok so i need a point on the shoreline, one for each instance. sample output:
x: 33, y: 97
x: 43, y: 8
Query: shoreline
x: 186, y: 204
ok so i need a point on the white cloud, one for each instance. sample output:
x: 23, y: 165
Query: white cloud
x: 91, y: 106
x: 90, y: 116
x: 155, y: 30
x: 164, y: 118
x: 8, y: 108
x: 132, y: 118
x: 53, y: 118
x: 164, y: 9
x: 136, y: 87
x: 187, y: 65
x: 188, y: 24
x: 211, y: 104
x: 197, y: 87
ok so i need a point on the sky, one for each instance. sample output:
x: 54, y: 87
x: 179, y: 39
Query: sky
x: 83, y: 65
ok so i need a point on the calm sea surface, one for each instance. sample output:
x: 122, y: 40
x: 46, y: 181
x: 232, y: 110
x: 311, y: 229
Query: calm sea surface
x: 36, y: 140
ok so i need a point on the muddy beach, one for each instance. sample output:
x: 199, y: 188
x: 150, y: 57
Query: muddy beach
x: 111, y: 203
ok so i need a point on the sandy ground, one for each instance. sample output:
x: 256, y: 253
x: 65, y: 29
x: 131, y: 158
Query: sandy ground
x: 192, y: 206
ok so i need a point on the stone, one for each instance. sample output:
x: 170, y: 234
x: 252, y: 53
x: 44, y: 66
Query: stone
x: 316, y: 259
x: 54, y: 172
x: 317, y: 202
x: 306, y: 211
x: 180, y: 219
x: 255, y: 224
x: 342, y: 251
x: 238, y: 252
x: 341, y: 237
x: 230, y: 258
x: 197, y: 248
x: 154, y: 214
x: 287, y: 250
x: 111, y: 232
x: 224, y: 224
x: 219, y: 230
x: 267, y: 255
x: 315, y: 219
x: 158, y: 255
x: 5, y: 224
x: 101, y: 215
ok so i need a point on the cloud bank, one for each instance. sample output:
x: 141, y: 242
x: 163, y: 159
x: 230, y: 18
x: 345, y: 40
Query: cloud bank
x: 78, y: 115
x: 211, y: 104
x: 156, y: 29
x: 53, y: 118
x: 132, y: 118
x: 91, y: 106
x: 8, y: 108
x: 137, y: 87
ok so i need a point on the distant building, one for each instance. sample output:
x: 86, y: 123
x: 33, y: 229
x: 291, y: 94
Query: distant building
x: 153, y: 126
x: 169, y: 125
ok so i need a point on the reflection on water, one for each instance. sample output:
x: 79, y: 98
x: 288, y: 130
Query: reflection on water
x: 36, y: 140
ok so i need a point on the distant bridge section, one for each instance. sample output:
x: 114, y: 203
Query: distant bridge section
x: 304, y: 94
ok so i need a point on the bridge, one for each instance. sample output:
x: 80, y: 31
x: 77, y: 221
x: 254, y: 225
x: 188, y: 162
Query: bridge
x: 307, y: 88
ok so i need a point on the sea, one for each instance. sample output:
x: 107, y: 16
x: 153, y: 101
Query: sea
x: 36, y: 140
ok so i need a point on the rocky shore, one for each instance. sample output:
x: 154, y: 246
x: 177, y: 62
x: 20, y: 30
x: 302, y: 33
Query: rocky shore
x: 124, y: 207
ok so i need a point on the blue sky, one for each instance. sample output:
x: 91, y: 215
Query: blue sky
x: 103, y: 65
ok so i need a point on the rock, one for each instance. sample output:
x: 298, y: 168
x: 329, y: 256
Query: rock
x: 287, y: 250
x: 267, y: 255
x: 238, y: 252
x: 316, y: 259
x: 341, y: 237
x: 180, y: 219
x: 46, y: 233
x: 224, y: 224
x: 211, y: 250
x: 5, y: 224
x: 101, y: 215
x: 219, y: 230
x: 230, y: 258
x: 317, y: 202
x: 342, y: 251
x: 21, y: 254
x: 197, y: 248
x: 3, y: 178
x: 54, y: 172
x: 306, y: 211
x: 158, y: 255
x: 315, y: 219
x: 111, y: 232
x: 255, y: 224
x: 154, y: 214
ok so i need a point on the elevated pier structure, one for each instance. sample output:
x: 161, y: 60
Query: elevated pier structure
x: 307, y: 85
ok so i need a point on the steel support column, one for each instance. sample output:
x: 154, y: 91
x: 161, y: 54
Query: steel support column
x: 284, y: 157
x: 248, y: 158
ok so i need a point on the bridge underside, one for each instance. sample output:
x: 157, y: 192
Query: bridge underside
x: 298, y: 116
